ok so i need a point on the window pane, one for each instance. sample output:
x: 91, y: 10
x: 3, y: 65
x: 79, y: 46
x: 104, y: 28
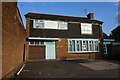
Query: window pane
x: 36, y: 42
x: 31, y: 42
x: 96, y: 46
x: 73, y: 45
x: 84, y: 46
x: 70, y: 46
x: 39, y: 24
x: 87, y: 45
x: 77, y: 45
x: 41, y: 42
x: 80, y: 43
x: 48, y: 24
x: 62, y: 25
x: 91, y: 45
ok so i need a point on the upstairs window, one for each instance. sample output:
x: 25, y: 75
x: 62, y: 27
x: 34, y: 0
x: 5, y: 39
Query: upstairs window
x: 38, y: 24
x: 62, y: 25
x: 86, y: 28
x: 49, y: 24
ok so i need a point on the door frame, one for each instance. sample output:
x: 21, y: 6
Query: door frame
x: 46, y: 48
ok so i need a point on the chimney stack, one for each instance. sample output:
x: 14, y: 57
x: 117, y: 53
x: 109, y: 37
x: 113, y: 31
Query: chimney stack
x: 90, y: 16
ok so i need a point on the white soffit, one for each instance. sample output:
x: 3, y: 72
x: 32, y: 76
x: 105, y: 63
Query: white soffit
x: 39, y: 38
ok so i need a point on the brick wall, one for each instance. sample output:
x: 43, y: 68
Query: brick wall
x: 13, y: 38
x: 0, y: 40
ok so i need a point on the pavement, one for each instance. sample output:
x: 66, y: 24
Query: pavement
x: 70, y: 69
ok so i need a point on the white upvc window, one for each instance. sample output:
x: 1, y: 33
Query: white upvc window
x: 38, y: 24
x: 49, y: 24
x: 36, y: 43
x: 62, y: 25
x: 86, y: 28
x: 31, y: 43
x: 83, y: 45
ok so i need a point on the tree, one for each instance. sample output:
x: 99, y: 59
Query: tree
x: 105, y: 36
x: 110, y: 36
x: 115, y: 33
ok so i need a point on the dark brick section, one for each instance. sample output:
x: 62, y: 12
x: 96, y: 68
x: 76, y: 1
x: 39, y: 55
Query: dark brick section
x: 113, y: 51
x: 74, y: 31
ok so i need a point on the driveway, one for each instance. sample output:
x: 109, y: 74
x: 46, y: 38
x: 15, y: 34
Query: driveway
x: 70, y: 69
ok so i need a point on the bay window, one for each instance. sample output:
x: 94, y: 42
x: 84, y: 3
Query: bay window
x: 83, y: 45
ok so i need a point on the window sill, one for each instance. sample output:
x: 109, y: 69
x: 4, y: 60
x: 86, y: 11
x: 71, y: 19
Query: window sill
x: 86, y: 34
x: 37, y: 45
x: 82, y: 51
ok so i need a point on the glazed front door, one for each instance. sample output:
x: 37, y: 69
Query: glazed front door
x: 50, y: 50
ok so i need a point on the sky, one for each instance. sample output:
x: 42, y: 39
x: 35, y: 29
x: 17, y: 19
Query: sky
x: 106, y: 12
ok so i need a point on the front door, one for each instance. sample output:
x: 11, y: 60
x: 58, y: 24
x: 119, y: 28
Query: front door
x: 50, y: 50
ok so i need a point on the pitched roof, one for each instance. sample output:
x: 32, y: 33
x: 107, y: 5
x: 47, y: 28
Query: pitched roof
x: 60, y: 17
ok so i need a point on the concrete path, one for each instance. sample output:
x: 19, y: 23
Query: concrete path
x: 69, y: 69
x: 100, y: 65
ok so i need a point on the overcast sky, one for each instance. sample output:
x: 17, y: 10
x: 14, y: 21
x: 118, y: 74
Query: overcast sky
x: 103, y: 11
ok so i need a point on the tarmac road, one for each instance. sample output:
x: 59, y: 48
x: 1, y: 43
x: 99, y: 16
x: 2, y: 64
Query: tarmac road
x: 70, y: 69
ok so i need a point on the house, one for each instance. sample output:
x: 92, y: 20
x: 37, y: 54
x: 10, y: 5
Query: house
x: 63, y: 37
x: 13, y: 39
x: 107, y: 46
x: 111, y: 49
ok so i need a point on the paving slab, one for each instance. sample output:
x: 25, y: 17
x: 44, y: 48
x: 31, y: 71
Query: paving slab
x: 100, y: 65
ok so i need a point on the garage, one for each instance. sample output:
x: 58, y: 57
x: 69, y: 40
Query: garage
x: 36, y: 52
x: 42, y: 48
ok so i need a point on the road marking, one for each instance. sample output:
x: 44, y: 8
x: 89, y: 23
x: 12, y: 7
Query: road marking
x: 21, y: 69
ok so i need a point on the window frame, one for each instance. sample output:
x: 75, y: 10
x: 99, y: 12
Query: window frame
x: 84, y: 31
x: 87, y: 43
x: 62, y: 23
x: 34, y: 23
x: 40, y: 43
x: 65, y: 27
